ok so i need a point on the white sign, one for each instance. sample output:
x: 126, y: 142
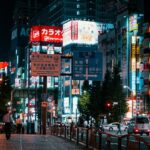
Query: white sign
x: 83, y: 32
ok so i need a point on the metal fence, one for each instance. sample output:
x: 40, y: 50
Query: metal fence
x: 96, y: 139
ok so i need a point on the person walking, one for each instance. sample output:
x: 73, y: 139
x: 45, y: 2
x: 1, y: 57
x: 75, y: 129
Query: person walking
x: 119, y: 128
x: 7, y: 119
x: 19, y: 125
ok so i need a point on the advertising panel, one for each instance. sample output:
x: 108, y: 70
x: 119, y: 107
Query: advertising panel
x: 66, y: 105
x: 75, y: 87
x: 3, y: 65
x: 133, y: 25
x: 75, y: 104
x: 87, y: 66
x: 135, y: 49
x: 124, y: 53
x: 46, y: 34
x: 45, y: 64
x: 83, y: 32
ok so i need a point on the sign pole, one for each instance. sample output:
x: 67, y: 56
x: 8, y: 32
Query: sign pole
x: 44, y: 108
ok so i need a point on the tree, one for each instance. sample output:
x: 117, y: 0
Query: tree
x: 106, y: 92
x: 86, y: 86
x: 95, y: 101
x: 118, y: 95
x: 83, y: 104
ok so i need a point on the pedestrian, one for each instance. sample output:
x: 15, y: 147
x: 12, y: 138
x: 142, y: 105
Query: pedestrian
x: 119, y: 128
x: 19, y: 125
x: 7, y: 119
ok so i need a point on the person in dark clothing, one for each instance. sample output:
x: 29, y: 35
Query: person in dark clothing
x: 19, y: 125
x: 7, y: 119
x: 119, y: 128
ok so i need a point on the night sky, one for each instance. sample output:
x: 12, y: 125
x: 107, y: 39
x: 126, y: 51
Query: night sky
x: 6, y: 7
x: 5, y: 26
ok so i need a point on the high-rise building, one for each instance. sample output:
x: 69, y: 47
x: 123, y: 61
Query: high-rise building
x: 23, y: 11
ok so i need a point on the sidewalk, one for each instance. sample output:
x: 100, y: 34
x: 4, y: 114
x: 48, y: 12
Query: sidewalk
x: 37, y: 142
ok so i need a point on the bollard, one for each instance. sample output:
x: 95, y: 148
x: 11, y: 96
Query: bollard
x: 81, y: 134
x: 65, y: 132
x: 77, y: 135
x: 100, y: 140
x: 70, y: 133
x: 119, y: 143
x: 87, y: 138
x: 108, y: 142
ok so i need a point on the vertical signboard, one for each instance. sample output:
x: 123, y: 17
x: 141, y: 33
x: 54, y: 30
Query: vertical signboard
x: 133, y: 25
x: 124, y: 53
x: 87, y: 66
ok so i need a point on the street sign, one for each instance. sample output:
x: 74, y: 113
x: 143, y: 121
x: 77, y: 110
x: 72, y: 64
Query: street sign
x: 44, y: 104
x: 115, y: 103
x: 87, y: 65
x: 45, y: 64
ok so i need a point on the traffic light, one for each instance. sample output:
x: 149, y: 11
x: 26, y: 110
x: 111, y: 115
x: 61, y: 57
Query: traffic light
x: 108, y: 105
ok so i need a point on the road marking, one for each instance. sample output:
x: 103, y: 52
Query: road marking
x: 20, y: 141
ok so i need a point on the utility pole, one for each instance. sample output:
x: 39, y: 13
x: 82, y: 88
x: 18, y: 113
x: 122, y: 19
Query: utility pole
x: 44, y: 108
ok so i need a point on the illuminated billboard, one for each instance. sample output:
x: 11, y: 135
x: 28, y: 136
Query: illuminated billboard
x: 3, y: 65
x: 135, y: 50
x: 46, y: 34
x: 83, y: 32
x: 133, y: 25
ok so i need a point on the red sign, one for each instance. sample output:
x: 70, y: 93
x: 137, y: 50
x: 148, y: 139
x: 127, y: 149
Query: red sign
x: 44, y: 104
x: 45, y: 64
x: 3, y: 65
x: 46, y: 34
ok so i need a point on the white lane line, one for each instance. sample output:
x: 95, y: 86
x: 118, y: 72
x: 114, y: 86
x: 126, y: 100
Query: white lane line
x: 20, y: 141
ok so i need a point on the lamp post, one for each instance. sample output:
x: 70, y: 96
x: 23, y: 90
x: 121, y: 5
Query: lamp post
x: 127, y: 87
x: 12, y: 97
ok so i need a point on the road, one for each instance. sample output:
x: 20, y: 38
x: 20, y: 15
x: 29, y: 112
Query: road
x: 36, y: 142
x: 124, y: 140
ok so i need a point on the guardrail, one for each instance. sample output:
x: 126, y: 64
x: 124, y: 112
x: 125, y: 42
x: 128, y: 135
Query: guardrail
x: 96, y: 139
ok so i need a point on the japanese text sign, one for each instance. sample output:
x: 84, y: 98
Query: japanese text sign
x: 46, y: 34
x: 45, y: 64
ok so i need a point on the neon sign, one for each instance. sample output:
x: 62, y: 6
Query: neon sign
x: 46, y: 34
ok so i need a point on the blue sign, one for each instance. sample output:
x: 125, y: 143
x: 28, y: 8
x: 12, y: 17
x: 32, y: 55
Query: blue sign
x: 87, y: 65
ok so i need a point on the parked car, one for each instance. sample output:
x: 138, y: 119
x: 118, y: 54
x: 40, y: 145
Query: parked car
x: 114, y: 126
x: 2, y: 127
x: 139, y: 125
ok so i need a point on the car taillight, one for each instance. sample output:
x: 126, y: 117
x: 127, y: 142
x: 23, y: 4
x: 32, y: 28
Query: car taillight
x: 148, y: 130
x: 136, y: 130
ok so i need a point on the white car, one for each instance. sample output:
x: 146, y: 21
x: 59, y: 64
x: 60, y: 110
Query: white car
x: 139, y: 125
x: 114, y: 127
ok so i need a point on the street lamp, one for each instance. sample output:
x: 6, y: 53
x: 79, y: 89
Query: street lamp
x: 127, y: 87
x: 12, y: 97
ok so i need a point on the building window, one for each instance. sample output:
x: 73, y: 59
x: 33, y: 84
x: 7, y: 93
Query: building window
x: 78, y: 12
x: 78, y: 5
